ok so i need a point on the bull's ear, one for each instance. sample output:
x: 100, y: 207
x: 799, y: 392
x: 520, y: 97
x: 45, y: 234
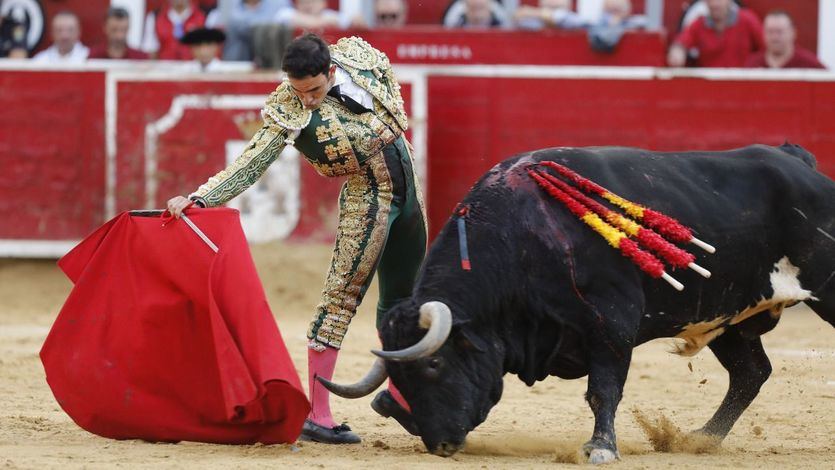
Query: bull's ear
x: 468, y: 340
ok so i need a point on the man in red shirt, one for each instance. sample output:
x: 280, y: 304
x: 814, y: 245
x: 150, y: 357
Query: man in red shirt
x: 780, y: 49
x: 116, y: 30
x: 723, y: 38
x: 165, y: 27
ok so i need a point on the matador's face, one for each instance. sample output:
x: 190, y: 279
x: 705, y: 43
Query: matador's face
x: 311, y: 90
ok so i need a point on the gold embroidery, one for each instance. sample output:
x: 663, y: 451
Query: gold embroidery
x: 262, y: 150
x: 327, y: 132
x: 343, y: 147
x: 286, y: 109
x: 356, y: 55
x: 355, y: 52
x: 335, y: 169
x: 363, y: 220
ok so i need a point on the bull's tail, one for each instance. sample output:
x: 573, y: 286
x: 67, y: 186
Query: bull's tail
x: 799, y: 152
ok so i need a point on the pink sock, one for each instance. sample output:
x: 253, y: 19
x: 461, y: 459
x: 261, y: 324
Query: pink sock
x: 320, y: 364
x: 395, y: 393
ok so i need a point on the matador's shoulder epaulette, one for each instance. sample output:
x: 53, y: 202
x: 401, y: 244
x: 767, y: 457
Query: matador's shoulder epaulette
x: 355, y: 52
x: 286, y: 109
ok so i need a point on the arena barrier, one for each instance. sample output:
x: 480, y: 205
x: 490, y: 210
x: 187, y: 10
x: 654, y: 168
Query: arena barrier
x: 81, y: 144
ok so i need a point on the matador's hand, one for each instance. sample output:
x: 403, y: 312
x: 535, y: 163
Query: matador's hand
x: 177, y: 204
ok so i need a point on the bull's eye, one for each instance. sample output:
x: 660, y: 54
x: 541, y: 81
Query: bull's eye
x: 432, y: 370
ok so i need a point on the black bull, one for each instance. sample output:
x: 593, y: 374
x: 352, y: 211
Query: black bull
x: 547, y: 296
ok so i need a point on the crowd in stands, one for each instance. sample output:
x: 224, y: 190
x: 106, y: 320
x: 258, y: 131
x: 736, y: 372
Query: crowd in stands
x: 714, y: 33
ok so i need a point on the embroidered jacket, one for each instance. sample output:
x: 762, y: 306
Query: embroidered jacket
x: 333, y: 139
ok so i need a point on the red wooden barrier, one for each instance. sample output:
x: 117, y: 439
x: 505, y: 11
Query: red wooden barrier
x: 436, y: 45
x: 477, y: 122
x: 75, y: 144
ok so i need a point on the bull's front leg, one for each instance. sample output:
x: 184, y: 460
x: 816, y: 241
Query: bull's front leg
x: 607, y: 374
x: 611, y: 337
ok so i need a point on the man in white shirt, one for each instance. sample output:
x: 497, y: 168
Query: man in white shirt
x: 66, y: 47
x: 205, y: 44
x: 308, y: 14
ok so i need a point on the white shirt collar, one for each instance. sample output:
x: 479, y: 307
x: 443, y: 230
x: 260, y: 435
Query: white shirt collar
x: 78, y: 53
x: 179, y: 17
x: 348, y: 87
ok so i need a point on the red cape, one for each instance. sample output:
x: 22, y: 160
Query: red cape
x: 165, y: 340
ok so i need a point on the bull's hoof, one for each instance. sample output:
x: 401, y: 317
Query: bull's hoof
x: 598, y: 453
x: 600, y: 456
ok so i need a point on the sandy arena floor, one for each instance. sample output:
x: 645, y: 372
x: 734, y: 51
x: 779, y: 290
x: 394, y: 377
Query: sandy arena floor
x: 790, y: 425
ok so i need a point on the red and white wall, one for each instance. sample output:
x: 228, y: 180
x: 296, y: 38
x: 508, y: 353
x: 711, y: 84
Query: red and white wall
x: 79, y: 145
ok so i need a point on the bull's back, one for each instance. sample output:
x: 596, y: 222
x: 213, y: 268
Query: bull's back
x: 747, y: 202
x: 720, y: 194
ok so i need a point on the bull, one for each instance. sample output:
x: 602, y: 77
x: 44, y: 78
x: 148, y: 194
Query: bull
x: 547, y: 296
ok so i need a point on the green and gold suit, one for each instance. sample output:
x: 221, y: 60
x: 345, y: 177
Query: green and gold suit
x: 382, y: 224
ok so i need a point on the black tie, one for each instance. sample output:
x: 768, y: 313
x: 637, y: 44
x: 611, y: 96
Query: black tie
x: 347, y: 101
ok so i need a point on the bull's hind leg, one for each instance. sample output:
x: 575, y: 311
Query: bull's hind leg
x: 748, y: 368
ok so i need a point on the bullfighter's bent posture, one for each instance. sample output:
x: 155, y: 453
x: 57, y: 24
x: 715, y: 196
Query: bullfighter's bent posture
x: 341, y: 107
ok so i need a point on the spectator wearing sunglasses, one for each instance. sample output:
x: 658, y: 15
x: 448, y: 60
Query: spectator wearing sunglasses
x: 390, y: 13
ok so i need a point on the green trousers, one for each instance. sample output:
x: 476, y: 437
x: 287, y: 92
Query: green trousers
x: 382, y: 229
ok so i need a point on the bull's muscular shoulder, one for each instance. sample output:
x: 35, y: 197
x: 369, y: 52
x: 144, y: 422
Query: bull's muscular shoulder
x: 799, y: 152
x: 355, y: 52
x: 285, y: 108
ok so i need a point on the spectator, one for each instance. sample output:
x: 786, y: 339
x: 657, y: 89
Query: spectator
x: 18, y: 51
x: 13, y: 31
x: 390, y: 13
x: 308, y: 14
x: 692, y: 12
x: 723, y: 38
x: 165, y: 27
x: 356, y: 14
x: 615, y: 19
x: 116, y: 27
x: 781, y: 52
x: 619, y: 13
x: 244, y: 16
x: 66, y: 47
x: 548, y: 13
x: 478, y: 14
x: 205, y: 45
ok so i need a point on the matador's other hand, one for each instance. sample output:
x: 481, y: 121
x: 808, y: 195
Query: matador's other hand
x: 177, y: 204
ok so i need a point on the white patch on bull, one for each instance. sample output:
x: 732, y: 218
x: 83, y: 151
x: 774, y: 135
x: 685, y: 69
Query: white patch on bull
x: 785, y: 283
x: 786, y: 291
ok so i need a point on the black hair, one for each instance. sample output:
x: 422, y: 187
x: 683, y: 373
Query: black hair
x: 117, y: 12
x: 306, y: 56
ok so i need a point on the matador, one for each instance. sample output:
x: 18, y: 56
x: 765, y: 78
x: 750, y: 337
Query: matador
x: 341, y: 107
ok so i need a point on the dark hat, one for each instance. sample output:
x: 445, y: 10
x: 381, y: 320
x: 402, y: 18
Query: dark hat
x: 203, y: 36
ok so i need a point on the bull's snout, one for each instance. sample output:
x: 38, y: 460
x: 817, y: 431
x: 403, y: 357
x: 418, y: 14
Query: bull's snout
x: 446, y: 449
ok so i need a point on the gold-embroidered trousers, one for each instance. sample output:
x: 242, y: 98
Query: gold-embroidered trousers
x: 382, y: 229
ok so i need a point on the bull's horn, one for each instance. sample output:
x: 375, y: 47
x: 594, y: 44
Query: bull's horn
x: 433, y: 315
x: 375, y: 377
